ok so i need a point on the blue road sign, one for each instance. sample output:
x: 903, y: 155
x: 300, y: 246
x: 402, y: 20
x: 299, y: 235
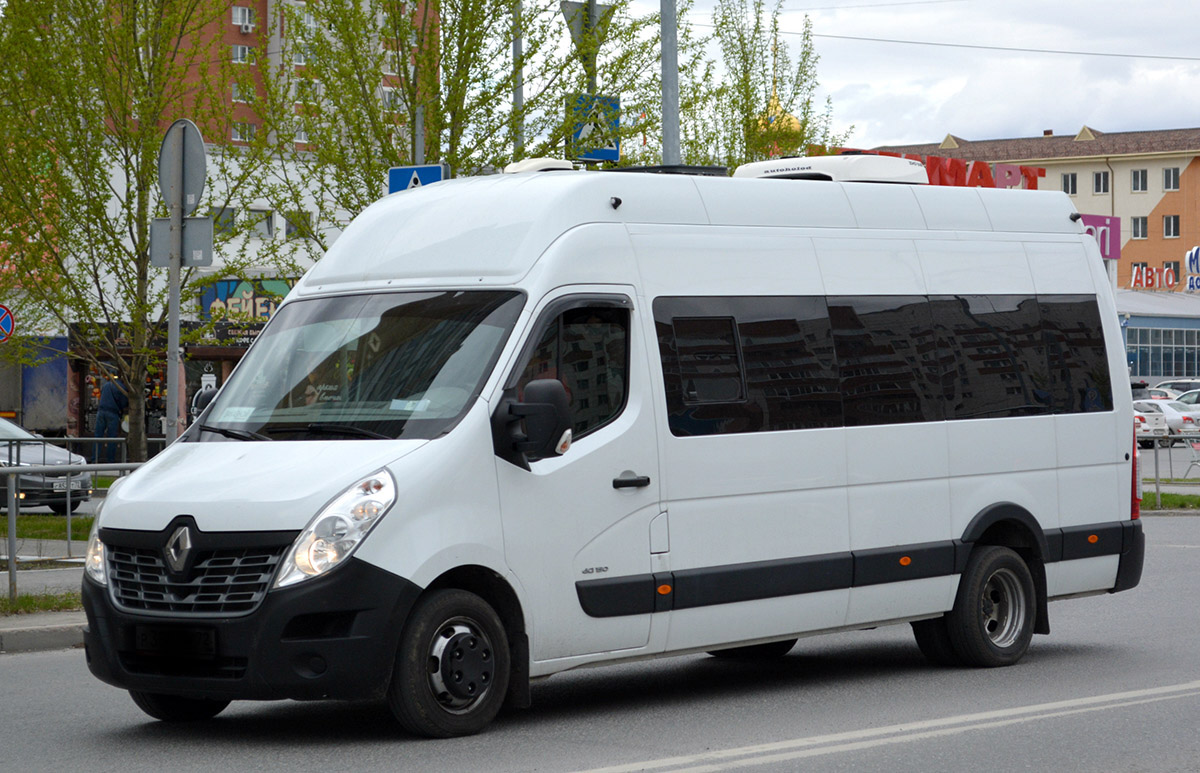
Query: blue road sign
x: 6, y: 324
x: 402, y: 178
x: 596, y: 122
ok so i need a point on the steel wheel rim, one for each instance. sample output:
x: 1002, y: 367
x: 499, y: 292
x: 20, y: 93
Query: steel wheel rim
x: 1002, y: 608
x: 461, y: 665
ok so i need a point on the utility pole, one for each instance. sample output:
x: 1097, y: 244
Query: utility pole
x: 670, y: 84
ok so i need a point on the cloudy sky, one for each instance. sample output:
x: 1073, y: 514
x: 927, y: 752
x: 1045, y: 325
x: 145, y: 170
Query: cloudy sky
x: 901, y: 93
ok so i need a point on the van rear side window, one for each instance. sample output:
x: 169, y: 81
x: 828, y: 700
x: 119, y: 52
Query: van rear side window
x: 757, y: 364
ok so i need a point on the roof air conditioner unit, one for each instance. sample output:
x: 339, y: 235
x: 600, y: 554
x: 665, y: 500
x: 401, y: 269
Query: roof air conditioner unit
x: 539, y: 165
x: 247, y: 29
x: 860, y: 168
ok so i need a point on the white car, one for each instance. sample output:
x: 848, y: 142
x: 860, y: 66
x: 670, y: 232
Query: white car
x: 1181, y: 422
x: 1159, y: 393
x: 1190, y: 398
x: 1149, y: 425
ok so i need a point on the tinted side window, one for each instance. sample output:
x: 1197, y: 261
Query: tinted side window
x: 994, y: 355
x: 747, y: 364
x: 887, y: 359
x: 1079, y: 378
x: 587, y: 350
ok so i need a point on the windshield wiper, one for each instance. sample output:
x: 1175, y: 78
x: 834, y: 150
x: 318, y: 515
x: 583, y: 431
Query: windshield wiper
x: 333, y: 429
x: 236, y: 434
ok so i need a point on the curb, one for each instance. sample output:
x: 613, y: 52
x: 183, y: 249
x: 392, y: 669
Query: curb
x: 61, y: 630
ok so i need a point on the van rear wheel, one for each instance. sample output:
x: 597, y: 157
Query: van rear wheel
x: 992, y: 620
x: 176, y: 708
x: 773, y: 649
x: 452, y: 667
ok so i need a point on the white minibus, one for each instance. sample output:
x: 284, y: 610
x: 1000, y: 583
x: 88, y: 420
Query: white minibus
x: 513, y: 425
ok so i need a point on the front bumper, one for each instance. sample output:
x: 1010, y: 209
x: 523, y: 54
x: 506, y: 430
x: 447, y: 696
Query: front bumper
x: 331, y: 637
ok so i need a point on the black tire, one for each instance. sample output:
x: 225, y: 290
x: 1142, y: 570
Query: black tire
x: 992, y: 620
x: 1145, y: 444
x: 933, y: 639
x: 452, y: 666
x: 60, y: 508
x: 772, y: 649
x: 176, y: 708
x: 1166, y: 442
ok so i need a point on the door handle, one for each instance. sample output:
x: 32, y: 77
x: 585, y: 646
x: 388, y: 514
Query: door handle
x: 638, y: 481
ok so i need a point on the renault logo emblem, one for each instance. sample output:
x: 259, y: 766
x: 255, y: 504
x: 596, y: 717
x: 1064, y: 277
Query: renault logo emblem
x: 178, y: 548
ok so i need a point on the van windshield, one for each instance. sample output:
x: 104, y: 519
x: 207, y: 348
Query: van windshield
x: 387, y: 365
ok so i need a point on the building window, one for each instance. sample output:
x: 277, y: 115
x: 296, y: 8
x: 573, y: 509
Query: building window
x: 1139, y: 182
x: 391, y: 99
x: 262, y: 223
x: 1069, y: 184
x: 1171, y: 179
x: 243, y: 54
x: 1170, y: 226
x: 240, y: 93
x: 1140, y: 227
x: 308, y: 91
x: 224, y: 219
x: 1170, y: 273
x: 243, y: 132
x: 297, y: 225
x: 301, y: 135
x: 1100, y: 183
x: 243, y: 17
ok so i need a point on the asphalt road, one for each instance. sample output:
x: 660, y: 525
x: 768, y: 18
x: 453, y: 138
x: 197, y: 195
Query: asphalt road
x: 1115, y: 687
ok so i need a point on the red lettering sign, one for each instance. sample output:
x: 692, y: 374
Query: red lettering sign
x: 978, y: 174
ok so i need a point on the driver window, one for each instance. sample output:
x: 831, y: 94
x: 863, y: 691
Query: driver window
x: 587, y: 350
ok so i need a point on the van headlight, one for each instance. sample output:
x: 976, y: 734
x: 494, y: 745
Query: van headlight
x: 94, y: 564
x: 337, y: 530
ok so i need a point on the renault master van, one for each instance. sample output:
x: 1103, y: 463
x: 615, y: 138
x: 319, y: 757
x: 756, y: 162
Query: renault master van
x: 513, y: 425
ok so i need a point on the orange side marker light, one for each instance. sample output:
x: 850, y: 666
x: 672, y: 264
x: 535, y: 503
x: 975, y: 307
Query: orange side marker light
x: 1092, y: 538
x: 664, y: 590
x: 905, y: 560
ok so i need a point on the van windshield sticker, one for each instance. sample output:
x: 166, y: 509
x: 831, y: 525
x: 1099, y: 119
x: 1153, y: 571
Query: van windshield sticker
x: 237, y: 413
x: 412, y: 406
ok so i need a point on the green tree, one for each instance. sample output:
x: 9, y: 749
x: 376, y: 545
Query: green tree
x: 86, y: 91
x: 766, y: 102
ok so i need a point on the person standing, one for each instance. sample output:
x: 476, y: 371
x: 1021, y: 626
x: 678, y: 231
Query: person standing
x: 114, y: 403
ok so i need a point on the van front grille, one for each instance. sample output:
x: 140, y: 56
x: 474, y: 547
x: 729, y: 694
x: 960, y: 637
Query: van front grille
x: 220, y: 582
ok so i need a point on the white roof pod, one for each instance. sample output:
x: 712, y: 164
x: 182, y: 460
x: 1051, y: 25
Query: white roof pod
x: 538, y: 165
x: 861, y: 168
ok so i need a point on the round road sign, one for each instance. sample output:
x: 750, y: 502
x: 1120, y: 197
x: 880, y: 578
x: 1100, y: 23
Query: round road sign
x: 6, y: 324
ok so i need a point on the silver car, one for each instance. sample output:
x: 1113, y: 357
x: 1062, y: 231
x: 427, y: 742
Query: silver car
x: 20, y: 448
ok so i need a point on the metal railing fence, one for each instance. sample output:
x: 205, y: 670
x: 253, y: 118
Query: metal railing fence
x: 13, y: 474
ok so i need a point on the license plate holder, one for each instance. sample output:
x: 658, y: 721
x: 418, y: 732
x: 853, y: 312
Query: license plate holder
x: 196, y: 643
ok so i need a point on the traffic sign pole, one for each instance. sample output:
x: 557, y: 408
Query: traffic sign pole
x: 174, y: 172
x: 181, y: 168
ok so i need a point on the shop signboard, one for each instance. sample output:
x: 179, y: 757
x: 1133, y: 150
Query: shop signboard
x: 1107, y: 232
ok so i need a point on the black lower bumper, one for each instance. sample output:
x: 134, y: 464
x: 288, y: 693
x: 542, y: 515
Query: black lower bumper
x: 1133, y: 554
x: 331, y: 637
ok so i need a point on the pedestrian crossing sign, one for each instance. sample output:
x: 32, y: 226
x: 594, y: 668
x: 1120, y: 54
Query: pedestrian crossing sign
x: 596, y: 121
x: 405, y: 178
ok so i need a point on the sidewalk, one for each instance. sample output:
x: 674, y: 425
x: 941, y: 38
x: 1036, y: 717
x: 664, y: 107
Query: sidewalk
x: 30, y: 549
x: 41, y: 631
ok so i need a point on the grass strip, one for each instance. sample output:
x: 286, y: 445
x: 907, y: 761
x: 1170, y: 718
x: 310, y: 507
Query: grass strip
x: 52, y: 526
x: 1169, y: 501
x: 41, y: 602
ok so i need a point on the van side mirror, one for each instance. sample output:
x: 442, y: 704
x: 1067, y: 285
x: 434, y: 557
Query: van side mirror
x: 547, y: 416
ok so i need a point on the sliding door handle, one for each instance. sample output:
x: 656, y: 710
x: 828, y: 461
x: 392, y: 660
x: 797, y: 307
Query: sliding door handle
x: 636, y: 481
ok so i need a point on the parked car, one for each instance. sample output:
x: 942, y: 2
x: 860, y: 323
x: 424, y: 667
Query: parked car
x: 1190, y: 398
x: 1181, y: 423
x: 21, y: 448
x: 1157, y: 393
x: 1149, y: 425
x: 1179, y: 385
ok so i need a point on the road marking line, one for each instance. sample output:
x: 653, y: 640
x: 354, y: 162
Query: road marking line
x: 909, y: 731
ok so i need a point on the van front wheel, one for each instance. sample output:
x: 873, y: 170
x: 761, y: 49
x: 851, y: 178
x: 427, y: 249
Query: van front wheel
x: 452, y: 668
x: 992, y: 620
